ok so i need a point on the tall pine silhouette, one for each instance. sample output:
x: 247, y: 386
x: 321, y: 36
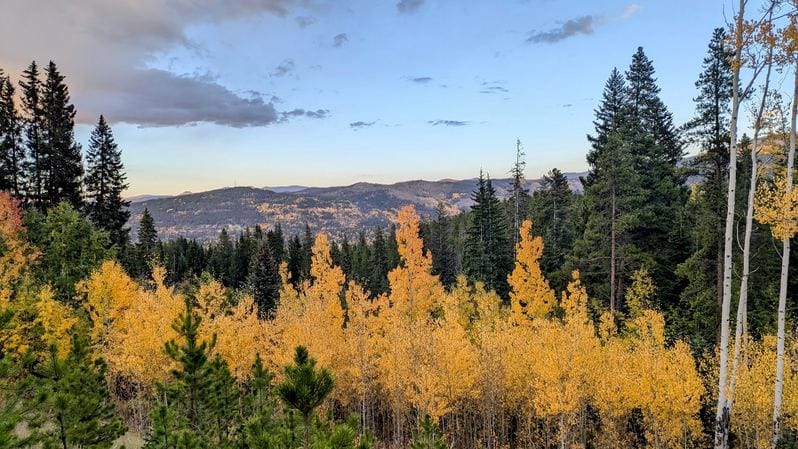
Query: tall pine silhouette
x: 105, y: 181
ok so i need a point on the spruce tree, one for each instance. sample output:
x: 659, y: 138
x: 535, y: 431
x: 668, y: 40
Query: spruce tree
x: 657, y: 149
x: 12, y: 153
x: 295, y: 260
x: 378, y: 278
x: 307, y: 253
x: 276, y: 241
x: 105, y: 181
x: 78, y: 408
x: 440, y: 245
x: 196, y: 407
x: 305, y: 387
x: 552, y: 217
x: 37, y: 163
x: 427, y: 436
x: 65, y: 162
x: 147, y: 248
x: 520, y: 193
x: 264, y: 281
x: 488, y: 249
x: 706, y: 211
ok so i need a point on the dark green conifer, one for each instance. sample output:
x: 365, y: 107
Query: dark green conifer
x: 104, y: 183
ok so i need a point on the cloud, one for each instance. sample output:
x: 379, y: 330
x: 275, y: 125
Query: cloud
x: 340, y: 39
x: 305, y: 21
x: 127, y: 35
x: 447, y: 122
x: 629, y: 11
x: 285, y: 68
x: 567, y: 105
x: 299, y: 112
x: 579, y: 25
x: 408, y: 6
x: 359, y: 125
x: 420, y: 79
x: 152, y: 97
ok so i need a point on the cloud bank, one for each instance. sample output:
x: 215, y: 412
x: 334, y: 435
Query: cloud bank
x: 104, y: 49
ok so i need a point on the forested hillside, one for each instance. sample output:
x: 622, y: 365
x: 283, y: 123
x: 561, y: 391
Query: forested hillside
x: 648, y: 306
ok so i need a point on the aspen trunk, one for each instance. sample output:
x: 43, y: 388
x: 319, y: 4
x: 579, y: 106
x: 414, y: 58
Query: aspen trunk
x: 722, y: 411
x: 785, y: 267
x: 742, y: 303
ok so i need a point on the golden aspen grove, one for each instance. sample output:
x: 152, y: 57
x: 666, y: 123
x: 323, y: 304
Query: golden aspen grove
x: 322, y: 282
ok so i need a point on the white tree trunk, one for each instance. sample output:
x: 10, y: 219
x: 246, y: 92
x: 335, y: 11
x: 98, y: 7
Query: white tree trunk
x: 785, y: 267
x: 742, y: 303
x: 722, y: 411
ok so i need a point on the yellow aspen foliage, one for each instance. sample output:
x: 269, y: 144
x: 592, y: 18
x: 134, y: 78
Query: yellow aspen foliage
x: 752, y: 415
x: 56, y: 321
x: 574, y: 301
x: 210, y: 298
x: 328, y: 280
x: 108, y: 294
x: 530, y: 294
x: 359, y: 376
x: 414, y: 290
x: 136, y: 342
x: 240, y: 335
x: 641, y: 292
x: 777, y: 206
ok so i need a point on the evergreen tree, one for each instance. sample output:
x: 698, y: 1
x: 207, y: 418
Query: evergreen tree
x: 276, y: 242
x: 105, y: 181
x: 706, y: 211
x: 441, y: 247
x: 378, y: 278
x: 37, y: 164
x: 196, y: 407
x: 488, y: 249
x: 222, y: 256
x: 609, y: 118
x: 552, y: 216
x: 520, y: 193
x: 307, y: 253
x: 65, y: 163
x: 427, y: 436
x: 295, y: 260
x: 78, y: 410
x: 305, y: 387
x: 148, y: 247
x: 657, y: 149
x: 264, y: 281
x: 12, y: 153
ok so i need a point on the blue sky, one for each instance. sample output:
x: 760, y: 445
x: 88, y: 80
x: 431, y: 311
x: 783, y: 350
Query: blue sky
x: 440, y: 89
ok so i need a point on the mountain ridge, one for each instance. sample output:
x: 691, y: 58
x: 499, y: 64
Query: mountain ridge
x: 336, y: 210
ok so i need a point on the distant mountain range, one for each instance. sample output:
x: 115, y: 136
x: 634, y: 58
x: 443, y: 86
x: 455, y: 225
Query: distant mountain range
x: 335, y: 210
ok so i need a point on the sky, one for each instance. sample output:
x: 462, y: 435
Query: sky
x: 215, y: 93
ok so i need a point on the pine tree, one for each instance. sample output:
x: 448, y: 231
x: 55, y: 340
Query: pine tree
x: 488, y: 249
x: 12, y: 153
x: 552, y: 217
x: 78, y: 408
x: 276, y: 242
x: 37, y: 164
x: 706, y: 208
x: 222, y: 256
x: 307, y: 253
x: 305, y: 387
x: 378, y: 278
x: 105, y: 182
x: 657, y: 149
x: 196, y: 407
x: 264, y: 281
x: 444, y: 264
x: 520, y: 193
x: 295, y: 256
x: 147, y: 248
x: 65, y: 162
x: 427, y: 436
x: 610, y: 117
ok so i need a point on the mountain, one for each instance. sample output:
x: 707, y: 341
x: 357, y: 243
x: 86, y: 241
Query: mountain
x: 286, y: 189
x: 145, y: 197
x: 335, y: 210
